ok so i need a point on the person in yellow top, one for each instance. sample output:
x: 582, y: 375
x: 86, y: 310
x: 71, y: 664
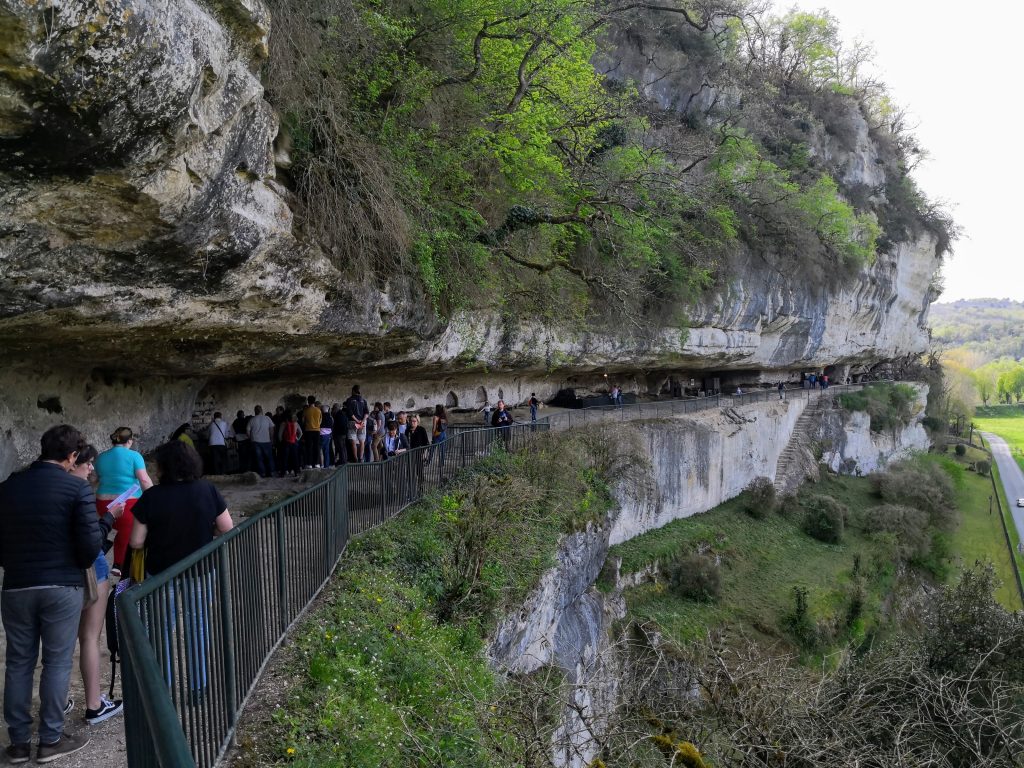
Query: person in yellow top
x: 182, y: 434
x: 311, y: 418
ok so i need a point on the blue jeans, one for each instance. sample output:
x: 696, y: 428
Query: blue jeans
x: 325, y: 448
x: 438, y: 442
x: 102, y: 568
x: 264, y: 455
x: 31, y: 616
x: 188, y: 596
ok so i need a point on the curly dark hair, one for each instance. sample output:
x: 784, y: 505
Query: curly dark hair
x: 178, y: 462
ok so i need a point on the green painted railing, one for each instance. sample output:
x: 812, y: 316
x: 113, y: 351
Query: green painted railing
x: 196, y: 637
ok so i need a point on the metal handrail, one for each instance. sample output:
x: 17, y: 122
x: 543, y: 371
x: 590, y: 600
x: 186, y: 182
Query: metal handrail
x: 195, y: 647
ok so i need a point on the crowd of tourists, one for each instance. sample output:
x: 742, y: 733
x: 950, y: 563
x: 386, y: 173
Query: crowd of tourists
x: 56, y: 517
x: 316, y: 436
x: 58, y: 514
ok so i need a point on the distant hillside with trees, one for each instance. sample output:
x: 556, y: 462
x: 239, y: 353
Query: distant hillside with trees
x: 991, y: 328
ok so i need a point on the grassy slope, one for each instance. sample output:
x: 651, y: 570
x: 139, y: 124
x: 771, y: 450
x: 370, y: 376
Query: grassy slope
x: 1008, y: 423
x: 980, y: 536
x: 762, y: 561
x: 389, y: 670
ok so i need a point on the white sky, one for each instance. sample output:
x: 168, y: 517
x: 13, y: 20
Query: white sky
x: 959, y: 72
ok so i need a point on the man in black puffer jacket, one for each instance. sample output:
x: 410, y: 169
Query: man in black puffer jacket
x: 49, y: 534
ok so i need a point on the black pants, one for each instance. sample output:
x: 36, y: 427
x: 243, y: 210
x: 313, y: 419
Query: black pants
x: 311, y: 444
x: 245, y: 457
x: 219, y: 458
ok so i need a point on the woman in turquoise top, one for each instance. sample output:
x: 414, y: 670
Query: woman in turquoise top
x: 118, y: 469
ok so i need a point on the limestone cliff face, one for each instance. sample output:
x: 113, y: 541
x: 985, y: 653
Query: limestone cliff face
x: 696, y: 463
x: 852, y: 448
x: 145, y: 240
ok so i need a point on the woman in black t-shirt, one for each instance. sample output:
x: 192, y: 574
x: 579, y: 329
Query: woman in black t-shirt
x: 178, y: 517
x: 180, y: 514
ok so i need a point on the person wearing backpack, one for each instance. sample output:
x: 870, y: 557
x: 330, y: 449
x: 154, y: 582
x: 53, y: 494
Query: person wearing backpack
x: 97, y: 706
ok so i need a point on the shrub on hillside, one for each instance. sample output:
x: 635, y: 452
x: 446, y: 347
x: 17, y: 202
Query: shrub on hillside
x: 890, y: 406
x: 983, y: 466
x: 922, y: 484
x: 967, y: 632
x: 759, y: 501
x: 908, y: 525
x: 961, y: 449
x: 824, y: 518
x: 696, y: 577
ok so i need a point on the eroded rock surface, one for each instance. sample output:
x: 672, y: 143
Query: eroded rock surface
x: 145, y: 239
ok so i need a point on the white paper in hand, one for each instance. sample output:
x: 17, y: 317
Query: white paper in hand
x: 124, y: 496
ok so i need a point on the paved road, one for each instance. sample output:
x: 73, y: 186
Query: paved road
x: 1012, y: 477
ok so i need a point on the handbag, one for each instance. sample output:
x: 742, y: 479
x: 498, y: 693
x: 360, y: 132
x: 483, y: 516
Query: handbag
x: 92, y: 587
x: 137, y: 566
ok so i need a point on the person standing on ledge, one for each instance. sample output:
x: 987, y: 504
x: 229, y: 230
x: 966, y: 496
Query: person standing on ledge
x: 119, y: 468
x: 502, y: 419
x: 218, y: 435
x: 49, y: 533
x: 261, y: 434
x: 311, y: 418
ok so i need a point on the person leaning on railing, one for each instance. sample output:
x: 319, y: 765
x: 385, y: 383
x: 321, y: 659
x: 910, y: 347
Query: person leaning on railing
x: 178, y: 516
x: 173, y: 520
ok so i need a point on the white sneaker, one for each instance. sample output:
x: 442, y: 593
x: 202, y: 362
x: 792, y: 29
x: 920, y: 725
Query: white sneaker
x: 106, y: 711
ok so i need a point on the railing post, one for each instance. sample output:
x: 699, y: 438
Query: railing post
x: 227, y: 624
x: 384, y: 496
x: 148, y: 700
x: 282, y: 570
x: 332, y: 500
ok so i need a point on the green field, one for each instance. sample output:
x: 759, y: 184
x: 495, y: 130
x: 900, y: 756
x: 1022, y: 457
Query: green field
x: 1007, y: 421
x: 980, y: 536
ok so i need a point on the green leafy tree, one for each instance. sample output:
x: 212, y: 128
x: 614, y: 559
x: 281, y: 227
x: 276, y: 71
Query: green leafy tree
x: 476, y: 146
x: 984, y: 382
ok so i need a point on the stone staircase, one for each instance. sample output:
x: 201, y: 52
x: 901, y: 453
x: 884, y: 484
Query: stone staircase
x: 797, y: 462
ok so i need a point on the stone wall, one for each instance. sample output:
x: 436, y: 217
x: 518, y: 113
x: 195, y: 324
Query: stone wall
x: 148, y: 241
